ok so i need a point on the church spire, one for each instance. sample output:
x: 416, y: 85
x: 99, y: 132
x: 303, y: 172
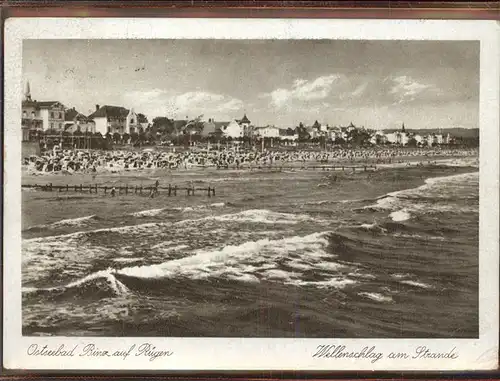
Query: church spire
x: 27, y: 92
x: 403, y: 127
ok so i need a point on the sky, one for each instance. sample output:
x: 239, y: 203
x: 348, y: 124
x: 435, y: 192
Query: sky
x: 376, y: 84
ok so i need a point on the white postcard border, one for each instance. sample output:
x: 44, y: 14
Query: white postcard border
x: 251, y: 353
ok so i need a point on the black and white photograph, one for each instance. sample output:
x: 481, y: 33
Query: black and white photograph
x: 250, y: 188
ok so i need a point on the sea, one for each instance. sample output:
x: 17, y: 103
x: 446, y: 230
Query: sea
x: 391, y: 253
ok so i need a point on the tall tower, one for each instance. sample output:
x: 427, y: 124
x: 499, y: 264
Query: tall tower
x: 27, y: 92
x: 403, y: 128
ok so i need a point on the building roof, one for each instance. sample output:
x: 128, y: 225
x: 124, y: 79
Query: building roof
x: 48, y: 104
x: 71, y: 114
x: 244, y: 119
x: 221, y: 125
x: 110, y: 111
x: 44, y: 104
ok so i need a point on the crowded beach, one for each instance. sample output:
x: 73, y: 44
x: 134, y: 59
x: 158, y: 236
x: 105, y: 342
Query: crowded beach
x: 96, y: 161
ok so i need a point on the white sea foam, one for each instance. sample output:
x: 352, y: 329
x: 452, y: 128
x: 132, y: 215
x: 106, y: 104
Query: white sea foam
x: 128, y: 260
x: 253, y: 215
x: 400, y: 276
x: 335, y: 282
x: 453, y: 179
x: 217, y: 205
x: 417, y: 236
x: 73, y: 221
x: 264, y: 216
x: 279, y: 274
x: 252, y: 261
x: 323, y: 202
x: 148, y: 213
x: 416, y: 284
x: 118, y: 287
x: 200, y: 207
x: 167, y: 249
x: 300, y: 265
x: 400, y: 215
x: 149, y: 227
x: 402, y: 203
x: 376, y: 297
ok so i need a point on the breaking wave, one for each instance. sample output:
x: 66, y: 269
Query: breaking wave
x: 437, y: 195
x: 302, y: 261
x: 92, y: 280
x: 283, y: 259
x: 376, y: 297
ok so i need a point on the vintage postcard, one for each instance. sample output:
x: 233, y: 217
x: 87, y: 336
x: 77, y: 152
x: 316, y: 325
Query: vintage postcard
x: 251, y: 194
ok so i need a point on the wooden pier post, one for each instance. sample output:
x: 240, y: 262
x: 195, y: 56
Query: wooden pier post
x: 96, y: 188
x: 169, y: 190
x: 192, y: 191
x: 140, y: 189
x: 209, y: 194
x: 126, y: 189
x: 135, y: 189
x: 105, y: 189
x: 213, y: 191
x: 81, y: 188
x: 67, y: 188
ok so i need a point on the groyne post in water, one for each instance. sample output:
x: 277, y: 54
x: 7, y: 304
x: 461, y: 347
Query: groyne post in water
x: 94, y: 188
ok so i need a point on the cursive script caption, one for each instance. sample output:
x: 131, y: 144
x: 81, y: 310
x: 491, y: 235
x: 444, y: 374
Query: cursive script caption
x: 374, y: 355
x: 91, y: 350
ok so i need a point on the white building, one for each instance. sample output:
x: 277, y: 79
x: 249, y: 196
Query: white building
x: 75, y: 121
x: 419, y: 138
x: 379, y: 137
x: 233, y: 130
x: 398, y: 137
x: 267, y: 132
x: 237, y: 128
x: 114, y: 119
